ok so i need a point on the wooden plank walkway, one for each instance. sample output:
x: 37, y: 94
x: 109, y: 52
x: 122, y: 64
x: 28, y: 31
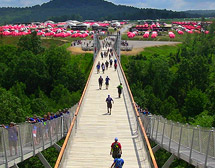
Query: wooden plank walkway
x: 96, y: 129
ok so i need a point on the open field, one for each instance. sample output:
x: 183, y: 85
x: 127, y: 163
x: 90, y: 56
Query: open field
x: 139, y: 46
x: 163, y: 36
x: 46, y: 41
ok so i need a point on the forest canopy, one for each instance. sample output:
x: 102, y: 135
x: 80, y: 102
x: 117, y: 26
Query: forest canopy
x: 35, y: 80
x: 179, y: 83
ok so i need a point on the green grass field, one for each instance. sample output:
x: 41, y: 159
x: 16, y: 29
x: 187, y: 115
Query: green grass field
x: 152, y: 51
x: 46, y: 41
x: 163, y: 37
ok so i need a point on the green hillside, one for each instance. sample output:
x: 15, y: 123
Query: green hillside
x: 83, y: 9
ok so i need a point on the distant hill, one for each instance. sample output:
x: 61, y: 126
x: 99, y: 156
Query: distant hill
x: 61, y: 10
x: 206, y: 13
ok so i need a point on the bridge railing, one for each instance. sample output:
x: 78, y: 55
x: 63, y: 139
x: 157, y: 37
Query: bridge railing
x: 73, y: 125
x: 178, y: 137
x: 97, y: 45
x: 139, y: 121
x: 29, y: 139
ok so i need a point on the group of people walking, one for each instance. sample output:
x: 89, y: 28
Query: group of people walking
x: 116, y: 149
x: 116, y: 152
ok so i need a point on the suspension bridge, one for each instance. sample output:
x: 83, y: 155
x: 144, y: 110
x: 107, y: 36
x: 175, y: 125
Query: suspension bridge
x: 89, y: 130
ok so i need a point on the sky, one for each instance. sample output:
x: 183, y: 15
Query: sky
x: 178, y: 5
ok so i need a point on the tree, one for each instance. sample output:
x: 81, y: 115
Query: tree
x: 203, y: 119
x: 62, y: 96
x: 56, y: 58
x: 71, y: 77
x: 29, y: 69
x: 195, y: 102
x: 10, y: 108
x: 31, y: 42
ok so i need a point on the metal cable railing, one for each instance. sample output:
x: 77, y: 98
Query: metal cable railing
x: 25, y: 139
x: 196, y: 144
x: 74, y: 122
x: 97, y: 45
x: 139, y: 121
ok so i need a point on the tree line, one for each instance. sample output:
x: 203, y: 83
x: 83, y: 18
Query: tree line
x: 179, y: 86
x: 177, y: 82
x: 62, y: 10
x: 35, y: 80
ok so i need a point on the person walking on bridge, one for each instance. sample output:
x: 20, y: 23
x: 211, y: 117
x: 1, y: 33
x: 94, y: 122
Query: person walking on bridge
x: 100, y: 82
x: 98, y: 67
x: 109, y: 101
x: 118, y: 162
x: 115, y: 66
x: 120, y: 89
x: 107, y: 82
x: 103, y: 68
x: 107, y: 64
x: 102, y: 55
x: 116, y: 148
x: 111, y: 63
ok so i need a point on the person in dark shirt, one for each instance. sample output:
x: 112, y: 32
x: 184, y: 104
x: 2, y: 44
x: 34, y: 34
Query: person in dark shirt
x: 111, y: 63
x: 100, y: 82
x: 120, y: 89
x: 107, y: 82
x: 107, y: 64
x: 12, y: 136
x: 98, y: 67
x: 109, y: 101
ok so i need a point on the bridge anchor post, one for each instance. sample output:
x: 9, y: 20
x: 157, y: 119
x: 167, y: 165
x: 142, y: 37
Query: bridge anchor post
x: 169, y: 161
x: 43, y: 160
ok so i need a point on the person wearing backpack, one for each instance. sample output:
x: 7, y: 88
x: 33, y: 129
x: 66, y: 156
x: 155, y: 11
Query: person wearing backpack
x: 116, y: 148
x: 118, y: 162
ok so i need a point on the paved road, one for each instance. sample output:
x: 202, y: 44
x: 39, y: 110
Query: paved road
x: 143, y: 44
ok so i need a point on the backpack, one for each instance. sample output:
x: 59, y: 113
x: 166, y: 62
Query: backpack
x: 116, y: 148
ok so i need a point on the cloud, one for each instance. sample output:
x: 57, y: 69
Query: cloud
x: 169, y: 4
x: 20, y: 3
x: 160, y: 4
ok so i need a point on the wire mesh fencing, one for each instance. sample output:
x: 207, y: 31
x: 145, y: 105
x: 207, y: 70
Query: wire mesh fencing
x: 28, y: 139
x: 192, y: 141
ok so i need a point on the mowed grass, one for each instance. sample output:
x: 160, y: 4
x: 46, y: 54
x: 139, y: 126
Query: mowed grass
x: 149, y: 52
x: 162, y: 37
x: 9, y: 40
x: 46, y: 41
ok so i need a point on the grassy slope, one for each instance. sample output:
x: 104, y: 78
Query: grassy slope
x: 150, y: 51
x: 46, y: 42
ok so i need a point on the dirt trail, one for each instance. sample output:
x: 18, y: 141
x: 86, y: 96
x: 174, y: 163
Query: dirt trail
x: 78, y: 50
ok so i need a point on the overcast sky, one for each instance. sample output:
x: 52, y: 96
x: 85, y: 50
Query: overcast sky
x: 161, y: 4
